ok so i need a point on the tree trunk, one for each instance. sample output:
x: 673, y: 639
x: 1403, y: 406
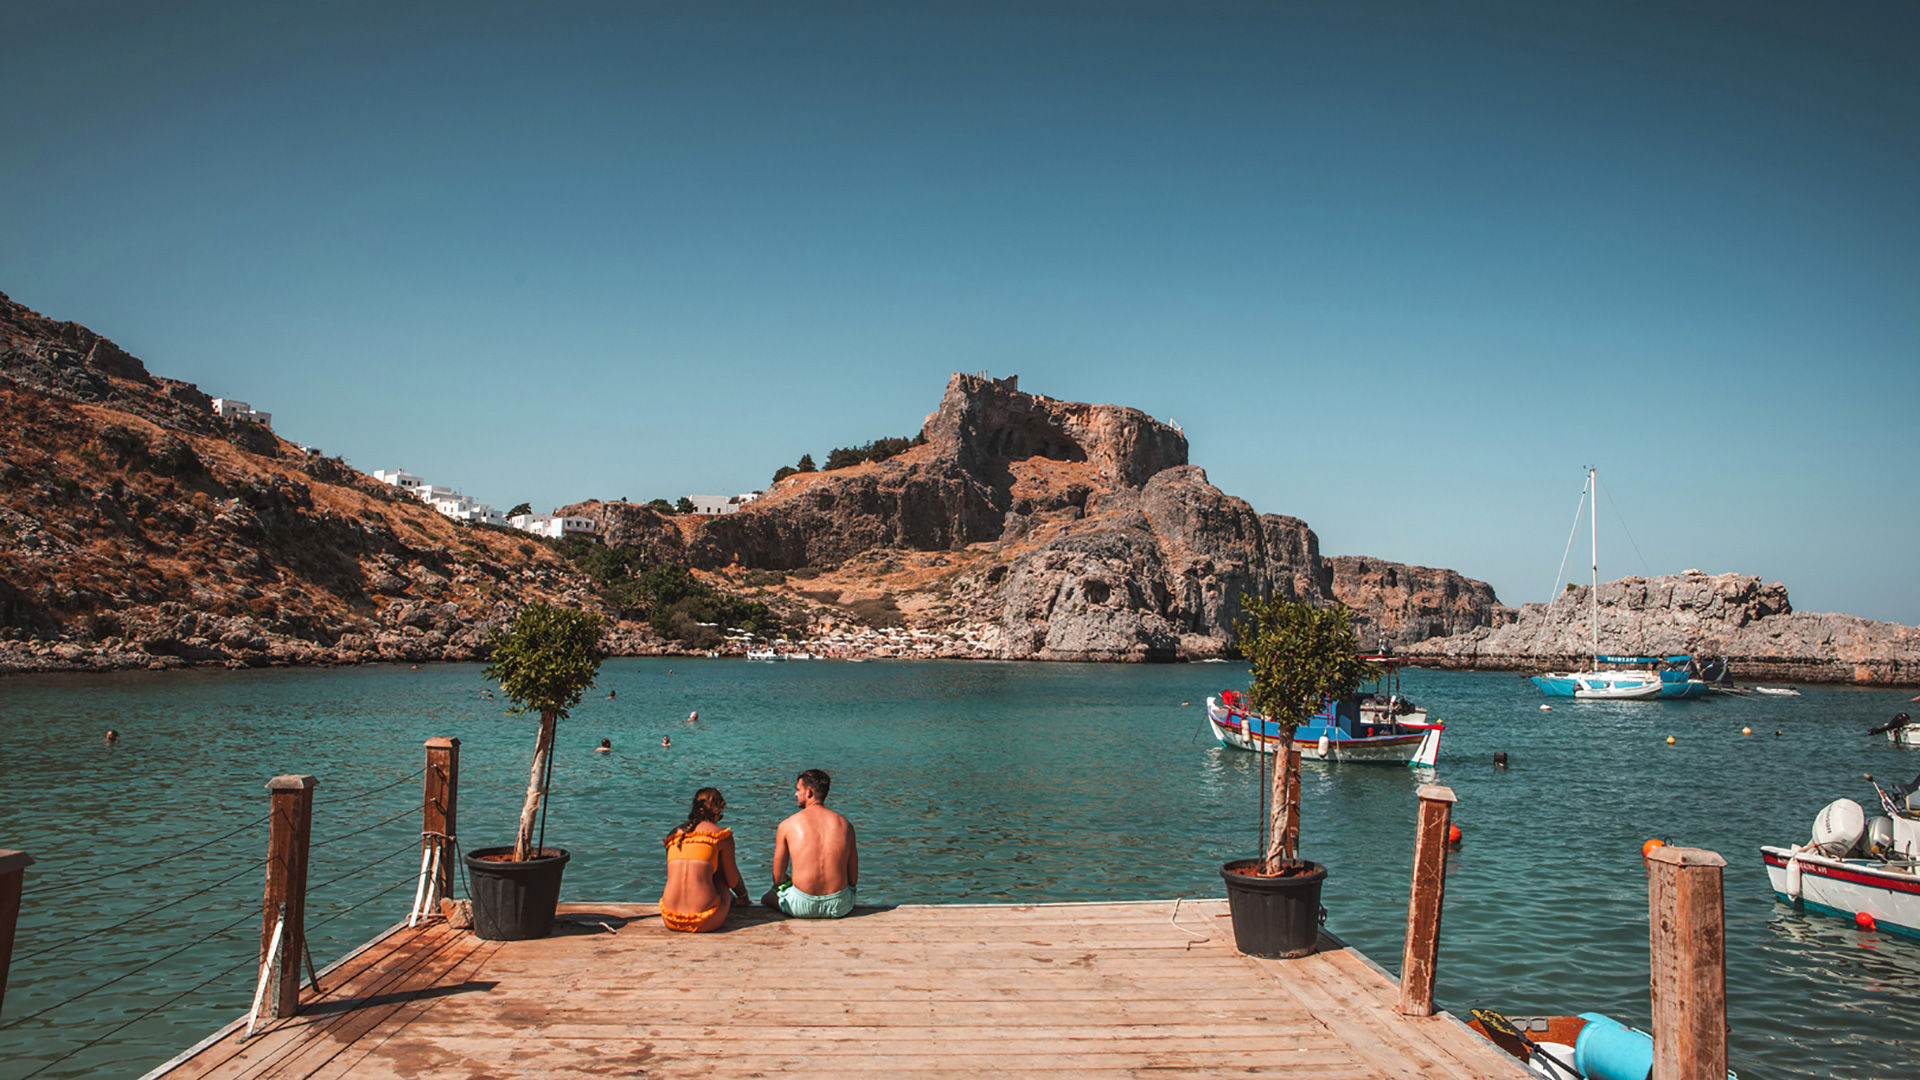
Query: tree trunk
x: 1286, y: 780
x: 536, y: 791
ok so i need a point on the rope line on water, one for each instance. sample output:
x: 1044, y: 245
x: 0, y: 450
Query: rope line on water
x: 356, y: 832
x: 244, y: 871
x: 98, y: 1039
x: 65, y: 887
x: 357, y: 905
x: 412, y: 847
x: 194, y: 944
x: 414, y: 775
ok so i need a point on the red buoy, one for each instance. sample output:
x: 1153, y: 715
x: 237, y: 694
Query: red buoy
x: 1865, y: 921
x: 1646, y: 849
x: 1453, y: 836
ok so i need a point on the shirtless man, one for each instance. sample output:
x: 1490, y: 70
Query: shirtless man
x: 815, y: 863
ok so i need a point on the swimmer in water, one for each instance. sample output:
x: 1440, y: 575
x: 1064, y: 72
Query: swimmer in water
x: 113, y: 737
x: 605, y: 747
x: 611, y: 694
x: 666, y: 740
x: 693, y: 717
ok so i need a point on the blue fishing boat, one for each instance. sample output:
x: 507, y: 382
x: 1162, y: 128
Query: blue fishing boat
x: 1376, y: 726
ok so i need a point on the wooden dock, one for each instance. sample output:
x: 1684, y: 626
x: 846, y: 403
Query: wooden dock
x: 924, y: 991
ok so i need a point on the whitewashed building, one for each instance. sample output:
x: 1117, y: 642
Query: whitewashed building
x: 442, y: 498
x: 554, y: 526
x: 716, y: 505
x: 399, y: 478
x: 240, y: 412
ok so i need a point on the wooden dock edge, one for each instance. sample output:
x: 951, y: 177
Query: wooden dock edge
x: 1340, y: 943
x: 1328, y: 942
x: 240, y: 1022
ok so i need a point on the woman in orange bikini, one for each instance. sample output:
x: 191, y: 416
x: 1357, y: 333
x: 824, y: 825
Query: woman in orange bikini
x: 700, y: 869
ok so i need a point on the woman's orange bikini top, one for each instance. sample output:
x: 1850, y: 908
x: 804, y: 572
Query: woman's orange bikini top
x: 704, y: 846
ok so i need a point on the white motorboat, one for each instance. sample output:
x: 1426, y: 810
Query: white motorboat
x: 1900, y: 731
x: 1777, y: 691
x: 1863, y: 869
x: 765, y: 654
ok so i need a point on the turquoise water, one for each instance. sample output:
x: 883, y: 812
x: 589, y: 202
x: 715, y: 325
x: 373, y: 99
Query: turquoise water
x: 969, y: 782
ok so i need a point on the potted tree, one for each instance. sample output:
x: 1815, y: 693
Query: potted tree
x: 1302, y: 657
x: 543, y: 663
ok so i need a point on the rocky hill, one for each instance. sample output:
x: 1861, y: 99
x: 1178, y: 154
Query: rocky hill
x: 1748, y: 622
x: 138, y: 529
x: 1021, y: 527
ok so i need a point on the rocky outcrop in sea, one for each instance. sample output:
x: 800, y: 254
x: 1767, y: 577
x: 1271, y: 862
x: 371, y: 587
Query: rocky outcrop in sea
x: 1748, y: 622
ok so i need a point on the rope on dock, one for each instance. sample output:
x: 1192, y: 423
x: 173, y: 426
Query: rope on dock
x: 149, y: 1013
x: 414, y: 775
x: 414, y: 809
x: 411, y: 846
x: 59, y: 888
x: 357, y: 905
x: 194, y: 944
x: 137, y: 916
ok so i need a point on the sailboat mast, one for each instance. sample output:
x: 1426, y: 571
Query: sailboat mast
x: 1593, y: 526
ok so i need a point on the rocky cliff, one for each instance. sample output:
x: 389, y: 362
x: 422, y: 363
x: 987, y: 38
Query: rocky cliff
x: 1748, y: 622
x: 1064, y: 531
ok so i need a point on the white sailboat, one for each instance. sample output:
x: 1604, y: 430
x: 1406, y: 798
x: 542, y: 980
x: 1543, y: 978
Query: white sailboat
x: 1596, y: 684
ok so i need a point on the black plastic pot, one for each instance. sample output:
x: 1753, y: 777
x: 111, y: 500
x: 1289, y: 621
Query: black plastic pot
x: 1274, y: 916
x: 515, y: 901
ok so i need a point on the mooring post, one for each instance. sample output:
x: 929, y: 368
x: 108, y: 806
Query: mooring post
x: 13, y: 869
x: 438, y: 821
x: 290, y: 826
x: 1425, y: 900
x: 1686, y: 919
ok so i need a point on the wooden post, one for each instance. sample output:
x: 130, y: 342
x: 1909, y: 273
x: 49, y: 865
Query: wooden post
x: 13, y: 868
x: 289, y: 827
x: 439, y: 818
x: 1687, y: 923
x: 1424, y: 900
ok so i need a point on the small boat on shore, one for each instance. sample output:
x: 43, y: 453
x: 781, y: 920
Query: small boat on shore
x: 1373, y: 727
x: 1855, y: 867
x: 765, y: 654
x: 1591, y: 1046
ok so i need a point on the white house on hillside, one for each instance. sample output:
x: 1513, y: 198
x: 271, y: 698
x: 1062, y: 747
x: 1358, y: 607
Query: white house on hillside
x: 554, y: 526
x: 399, y: 478
x: 240, y: 412
x: 441, y: 497
x: 715, y: 505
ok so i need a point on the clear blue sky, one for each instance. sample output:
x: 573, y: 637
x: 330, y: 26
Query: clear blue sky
x: 1402, y: 270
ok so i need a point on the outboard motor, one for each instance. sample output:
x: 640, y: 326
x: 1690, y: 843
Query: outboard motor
x: 1879, y: 838
x: 1838, y: 828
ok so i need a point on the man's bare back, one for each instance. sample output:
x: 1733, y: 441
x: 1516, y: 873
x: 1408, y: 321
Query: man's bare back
x: 816, y: 846
x: 814, y: 853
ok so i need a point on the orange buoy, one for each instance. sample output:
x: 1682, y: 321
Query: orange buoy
x: 1646, y: 849
x: 1864, y: 921
x: 1669, y: 740
x: 1453, y: 836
